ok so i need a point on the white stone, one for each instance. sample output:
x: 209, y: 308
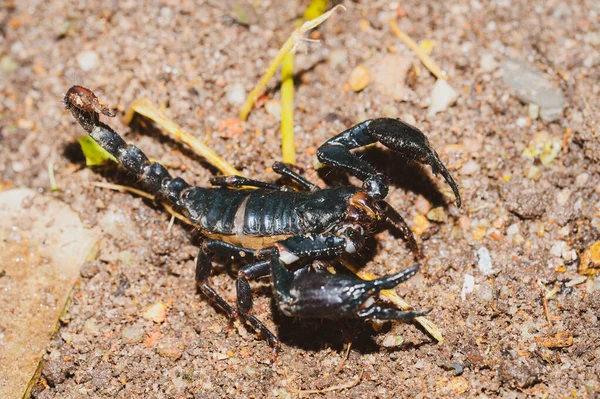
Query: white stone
x: 236, y: 95
x: 468, y: 286
x: 442, y: 97
x: 87, y: 60
x: 484, y: 261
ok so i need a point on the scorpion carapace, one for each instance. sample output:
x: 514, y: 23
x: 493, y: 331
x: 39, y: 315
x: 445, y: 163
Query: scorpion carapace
x: 280, y: 231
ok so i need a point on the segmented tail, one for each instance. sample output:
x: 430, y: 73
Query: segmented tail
x: 156, y: 180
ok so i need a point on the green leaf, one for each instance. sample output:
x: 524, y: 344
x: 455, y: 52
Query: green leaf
x: 94, y: 154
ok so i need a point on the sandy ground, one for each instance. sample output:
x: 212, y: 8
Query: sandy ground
x: 528, y: 329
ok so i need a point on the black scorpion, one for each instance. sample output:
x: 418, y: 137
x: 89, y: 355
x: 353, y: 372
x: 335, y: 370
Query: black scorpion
x: 281, y: 231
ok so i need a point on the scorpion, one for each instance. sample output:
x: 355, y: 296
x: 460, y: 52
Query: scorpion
x: 282, y: 232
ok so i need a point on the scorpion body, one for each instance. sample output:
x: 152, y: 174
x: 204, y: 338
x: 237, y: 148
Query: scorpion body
x: 281, y: 231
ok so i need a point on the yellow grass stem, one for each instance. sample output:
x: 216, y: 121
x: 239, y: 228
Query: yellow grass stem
x: 288, y: 148
x: 289, y: 46
x: 144, y: 107
x: 424, y: 57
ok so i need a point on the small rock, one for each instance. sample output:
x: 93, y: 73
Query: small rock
x: 235, y: 93
x: 273, y: 108
x: 442, y: 97
x: 421, y: 224
x: 484, y: 261
x: 557, y: 248
x: 91, y: 326
x: 485, y: 292
x: 390, y: 111
x: 582, y: 179
x: 338, y: 57
x: 488, y: 63
x: 422, y: 205
x: 533, y: 111
x: 392, y: 341
x: 389, y: 75
x: 359, y: 78
x: 7, y: 64
x: 531, y: 86
x: 157, y: 312
x: 470, y: 167
x: 87, y: 60
x: 170, y: 348
x: 133, y: 334
x: 468, y: 286
x: 437, y: 215
x: 562, y: 197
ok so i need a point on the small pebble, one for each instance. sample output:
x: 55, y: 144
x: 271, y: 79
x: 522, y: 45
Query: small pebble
x: 468, y: 286
x: 392, y: 341
x: 484, y: 261
x: 7, y: 64
x: 157, y: 312
x: 582, y: 179
x: 273, y: 108
x: 422, y: 205
x: 531, y: 86
x: 437, y: 215
x: 562, y: 197
x: 421, y: 224
x: 533, y: 111
x: 485, y: 292
x: 171, y: 348
x: 87, y: 60
x: 488, y: 63
x: 235, y: 93
x: 470, y: 167
x: 91, y: 326
x: 133, y: 334
x: 390, y: 111
x: 359, y: 78
x: 338, y: 58
x: 442, y: 97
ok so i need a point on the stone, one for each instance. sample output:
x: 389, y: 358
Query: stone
x: 442, y: 97
x: 87, y: 60
x: 360, y: 78
x: 530, y: 86
x: 235, y: 93
x: 43, y: 244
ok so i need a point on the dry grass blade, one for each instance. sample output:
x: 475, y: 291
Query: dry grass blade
x: 289, y: 46
x: 425, y: 59
x: 144, y: 107
x: 125, y: 189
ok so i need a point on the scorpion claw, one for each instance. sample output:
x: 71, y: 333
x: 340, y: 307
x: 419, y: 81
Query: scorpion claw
x: 404, y: 138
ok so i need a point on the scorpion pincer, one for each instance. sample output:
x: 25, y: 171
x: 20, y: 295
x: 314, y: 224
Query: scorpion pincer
x: 281, y: 231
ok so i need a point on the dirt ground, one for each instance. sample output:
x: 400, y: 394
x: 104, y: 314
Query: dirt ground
x: 529, y: 328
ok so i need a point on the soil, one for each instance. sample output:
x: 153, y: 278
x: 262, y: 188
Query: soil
x: 528, y: 329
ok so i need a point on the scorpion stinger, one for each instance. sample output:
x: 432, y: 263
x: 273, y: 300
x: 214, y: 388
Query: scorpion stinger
x: 394, y: 134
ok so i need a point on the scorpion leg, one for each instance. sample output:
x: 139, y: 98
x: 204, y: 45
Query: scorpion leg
x: 307, y: 293
x: 244, y: 293
x: 394, y: 218
x: 394, y: 134
x: 286, y: 169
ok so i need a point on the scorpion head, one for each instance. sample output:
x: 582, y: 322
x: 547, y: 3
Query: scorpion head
x: 365, y: 210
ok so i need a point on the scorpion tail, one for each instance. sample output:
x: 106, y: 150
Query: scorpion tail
x: 85, y: 107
